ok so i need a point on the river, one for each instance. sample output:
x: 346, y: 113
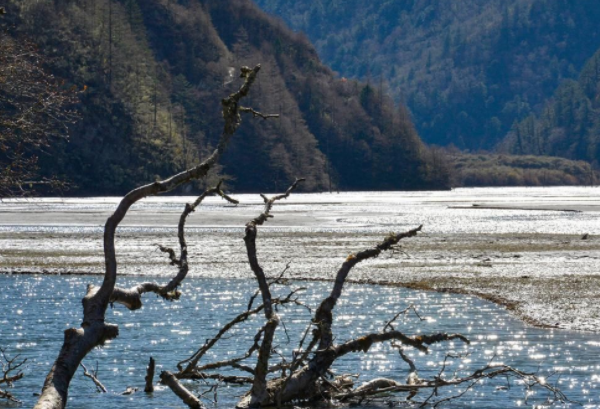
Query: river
x: 521, y: 247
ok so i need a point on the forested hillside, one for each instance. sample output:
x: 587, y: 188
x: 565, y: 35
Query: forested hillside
x: 467, y: 69
x: 150, y: 75
x: 569, y: 124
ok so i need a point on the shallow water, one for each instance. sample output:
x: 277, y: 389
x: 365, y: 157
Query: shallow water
x: 531, y: 254
x: 36, y: 309
x: 445, y: 212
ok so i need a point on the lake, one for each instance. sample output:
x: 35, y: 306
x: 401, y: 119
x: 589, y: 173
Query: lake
x: 522, y: 247
x: 36, y: 309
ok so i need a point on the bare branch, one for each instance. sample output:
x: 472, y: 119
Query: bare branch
x: 93, y: 376
x: 418, y: 342
x: 256, y: 114
x: 302, y: 382
x: 403, y: 312
x: 9, y: 366
x: 324, y: 315
x: 259, y: 387
x: 192, y: 362
x: 132, y: 297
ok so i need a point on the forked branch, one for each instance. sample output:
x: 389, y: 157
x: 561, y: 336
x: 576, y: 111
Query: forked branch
x: 94, y: 330
x: 11, y: 371
x: 259, y: 386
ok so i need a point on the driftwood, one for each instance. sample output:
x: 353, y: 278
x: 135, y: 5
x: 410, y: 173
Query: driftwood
x: 94, y: 330
x: 308, y: 375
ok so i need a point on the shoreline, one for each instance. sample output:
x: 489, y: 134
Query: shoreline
x: 543, y: 266
x: 512, y: 307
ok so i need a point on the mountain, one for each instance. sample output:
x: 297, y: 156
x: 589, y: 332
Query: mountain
x: 466, y: 69
x: 569, y: 124
x: 152, y: 73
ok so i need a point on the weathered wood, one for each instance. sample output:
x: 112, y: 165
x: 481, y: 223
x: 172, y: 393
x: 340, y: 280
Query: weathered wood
x: 258, y: 392
x: 94, y: 331
x: 178, y: 389
x: 302, y: 383
x: 99, y: 387
x: 149, y: 388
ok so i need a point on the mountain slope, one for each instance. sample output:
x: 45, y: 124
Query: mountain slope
x: 466, y: 69
x: 569, y: 124
x: 153, y: 72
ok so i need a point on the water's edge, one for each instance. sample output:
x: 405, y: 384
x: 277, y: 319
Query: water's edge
x: 510, y: 306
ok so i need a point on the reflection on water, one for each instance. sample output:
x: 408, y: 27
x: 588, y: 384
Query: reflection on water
x: 446, y: 212
x: 36, y: 309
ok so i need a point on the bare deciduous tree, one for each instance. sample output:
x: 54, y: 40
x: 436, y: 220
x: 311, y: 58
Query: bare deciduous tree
x: 34, y: 112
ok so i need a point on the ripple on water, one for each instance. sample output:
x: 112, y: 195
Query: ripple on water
x: 37, y: 309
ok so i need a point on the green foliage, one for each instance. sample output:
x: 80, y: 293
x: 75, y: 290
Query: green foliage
x: 155, y: 71
x: 467, y: 69
x: 569, y: 124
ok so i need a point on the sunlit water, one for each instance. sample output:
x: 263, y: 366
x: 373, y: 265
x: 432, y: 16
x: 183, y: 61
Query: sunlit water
x: 315, y: 232
x: 444, y: 212
x: 36, y: 309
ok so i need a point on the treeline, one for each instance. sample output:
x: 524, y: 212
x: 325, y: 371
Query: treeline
x: 152, y: 73
x: 569, y: 124
x: 470, y: 170
x: 466, y: 69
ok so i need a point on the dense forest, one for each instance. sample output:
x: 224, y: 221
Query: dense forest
x: 150, y: 75
x: 466, y: 69
x: 569, y: 124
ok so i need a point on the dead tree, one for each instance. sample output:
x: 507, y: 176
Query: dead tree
x: 94, y: 330
x: 310, y: 379
x: 307, y: 376
x: 259, y: 385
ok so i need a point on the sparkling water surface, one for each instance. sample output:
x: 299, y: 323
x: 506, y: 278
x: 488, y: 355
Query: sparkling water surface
x: 36, y: 309
x: 55, y: 232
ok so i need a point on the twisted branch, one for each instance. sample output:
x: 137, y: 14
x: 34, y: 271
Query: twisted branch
x: 94, y: 331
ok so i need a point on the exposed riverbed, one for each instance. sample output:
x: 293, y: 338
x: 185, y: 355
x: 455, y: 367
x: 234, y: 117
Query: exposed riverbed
x: 521, y: 247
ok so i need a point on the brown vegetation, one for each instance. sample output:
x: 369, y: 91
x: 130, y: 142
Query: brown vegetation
x: 470, y: 170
